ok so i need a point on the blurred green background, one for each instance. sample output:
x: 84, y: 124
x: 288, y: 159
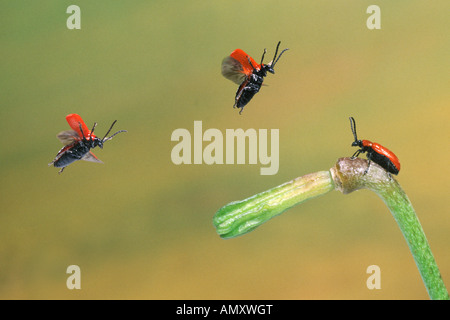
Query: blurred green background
x: 139, y: 226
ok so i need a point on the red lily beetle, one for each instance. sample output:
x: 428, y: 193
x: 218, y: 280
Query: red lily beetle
x: 240, y: 68
x: 375, y: 152
x: 78, y: 142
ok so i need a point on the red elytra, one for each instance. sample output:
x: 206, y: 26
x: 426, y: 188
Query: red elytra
x: 378, y: 148
x: 247, y: 62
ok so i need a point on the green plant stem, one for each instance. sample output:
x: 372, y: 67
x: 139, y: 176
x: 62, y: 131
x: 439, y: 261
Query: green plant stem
x: 349, y: 175
x: 240, y: 217
x: 406, y: 218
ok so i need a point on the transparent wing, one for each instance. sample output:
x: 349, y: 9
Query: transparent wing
x: 91, y: 157
x: 233, y: 70
x: 68, y: 137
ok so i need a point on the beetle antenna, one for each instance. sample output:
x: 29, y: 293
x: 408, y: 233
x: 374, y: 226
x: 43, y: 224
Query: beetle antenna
x: 276, y: 51
x: 109, y: 138
x: 92, y: 130
x: 275, y: 57
x: 81, y: 129
x: 109, y: 130
x: 353, y: 126
x: 262, y: 58
x: 249, y: 61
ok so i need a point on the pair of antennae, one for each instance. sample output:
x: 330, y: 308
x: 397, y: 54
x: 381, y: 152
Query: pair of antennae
x: 104, y: 138
x: 275, y: 56
x: 109, y: 138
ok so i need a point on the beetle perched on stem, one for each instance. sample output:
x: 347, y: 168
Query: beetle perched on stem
x: 375, y: 152
x: 78, y: 143
x: 240, y: 68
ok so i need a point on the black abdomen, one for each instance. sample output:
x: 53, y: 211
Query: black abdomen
x: 247, y: 90
x: 247, y: 94
x: 71, y: 155
x: 66, y: 159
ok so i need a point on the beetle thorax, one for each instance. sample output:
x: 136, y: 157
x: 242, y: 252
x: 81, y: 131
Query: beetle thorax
x: 366, y: 143
x: 262, y: 72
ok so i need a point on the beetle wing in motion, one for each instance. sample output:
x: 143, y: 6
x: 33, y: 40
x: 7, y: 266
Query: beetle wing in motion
x: 74, y: 121
x: 91, y: 157
x: 232, y: 70
x: 68, y: 137
x: 236, y: 67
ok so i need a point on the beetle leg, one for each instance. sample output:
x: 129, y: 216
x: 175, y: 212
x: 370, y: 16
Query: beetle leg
x: 356, y: 154
x: 367, y: 170
x: 248, y: 58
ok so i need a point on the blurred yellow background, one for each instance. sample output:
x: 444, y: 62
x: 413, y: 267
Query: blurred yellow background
x: 140, y: 227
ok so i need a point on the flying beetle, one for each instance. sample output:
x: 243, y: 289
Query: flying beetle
x: 78, y: 142
x: 243, y: 70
